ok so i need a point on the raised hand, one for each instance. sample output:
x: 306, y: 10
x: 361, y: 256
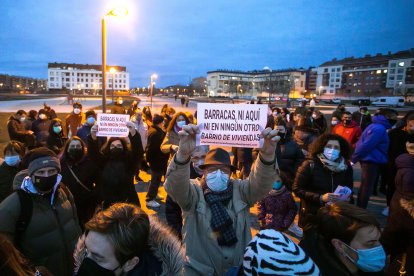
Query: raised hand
x: 187, y: 142
x: 94, y: 130
x: 131, y: 128
x: 269, y: 145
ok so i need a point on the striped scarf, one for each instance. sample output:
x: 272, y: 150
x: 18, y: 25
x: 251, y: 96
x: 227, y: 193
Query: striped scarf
x: 220, y: 219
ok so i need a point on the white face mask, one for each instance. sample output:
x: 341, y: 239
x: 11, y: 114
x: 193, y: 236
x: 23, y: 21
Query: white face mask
x: 314, y: 116
x: 42, y: 116
x: 76, y: 110
x: 410, y: 147
x: 217, y: 181
x: 334, y: 123
x: 22, y: 119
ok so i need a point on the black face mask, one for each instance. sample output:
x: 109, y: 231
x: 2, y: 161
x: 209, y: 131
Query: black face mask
x: 89, y: 267
x: 45, y: 183
x: 75, y: 154
x: 392, y: 121
x: 347, y: 122
x: 116, y: 152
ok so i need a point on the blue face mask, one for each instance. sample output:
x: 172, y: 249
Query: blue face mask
x: 90, y: 120
x: 12, y: 160
x: 331, y: 154
x: 57, y: 129
x: 369, y: 260
x: 277, y: 185
x: 217, y: 181
x: 180, y: 124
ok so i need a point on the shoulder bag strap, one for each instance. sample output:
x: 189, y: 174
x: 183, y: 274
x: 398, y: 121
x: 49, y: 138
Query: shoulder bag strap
x: 77, y: 179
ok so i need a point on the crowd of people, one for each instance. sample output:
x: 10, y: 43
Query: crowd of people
x: 68, y: 204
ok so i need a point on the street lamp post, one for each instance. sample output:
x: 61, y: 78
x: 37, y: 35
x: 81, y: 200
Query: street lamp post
x: 118, y: 11
x: 112, y: 70
x: 152, y: 79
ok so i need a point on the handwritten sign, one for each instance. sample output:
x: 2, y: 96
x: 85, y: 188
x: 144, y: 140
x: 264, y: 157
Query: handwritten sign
x: 112, y: 125
x: 233, y: 125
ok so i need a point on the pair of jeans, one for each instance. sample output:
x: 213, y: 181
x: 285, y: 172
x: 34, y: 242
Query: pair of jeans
x: 369, y: 176
x: 154, y: 184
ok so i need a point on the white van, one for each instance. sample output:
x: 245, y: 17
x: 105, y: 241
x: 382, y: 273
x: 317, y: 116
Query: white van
x: 389, y: 101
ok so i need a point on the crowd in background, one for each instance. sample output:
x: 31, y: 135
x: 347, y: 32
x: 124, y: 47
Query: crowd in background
x: 68, y: 202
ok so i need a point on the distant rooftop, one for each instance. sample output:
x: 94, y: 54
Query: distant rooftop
x: 84, y: 66
x: 264, y: 71
x: 379, y: 57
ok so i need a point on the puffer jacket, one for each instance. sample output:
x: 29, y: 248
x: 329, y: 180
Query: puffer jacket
x: 52, y: 233
x: 165, y: 257
x: 374, y: 142
x: 398, y: 235
x: 312, y: 181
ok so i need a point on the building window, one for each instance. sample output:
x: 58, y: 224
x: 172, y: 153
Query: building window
x: 393, y: 64
x: 392, y: 71
x: 52, y: 73
x: 332, y: 69
x: 68, y: 79
x: 338, y: 69
x: 400, y: 71
x: 399, y: 77
x: 338, y: 80
x: 52, y: 79
x: 392, y: 78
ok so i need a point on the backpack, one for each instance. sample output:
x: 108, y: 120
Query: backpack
x: 26, y: 204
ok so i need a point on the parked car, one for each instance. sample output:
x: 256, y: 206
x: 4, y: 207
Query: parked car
x: 361, y: 102
x: 333, y: 101
x: 389, y: 101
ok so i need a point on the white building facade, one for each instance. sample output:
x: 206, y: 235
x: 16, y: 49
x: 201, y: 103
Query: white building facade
x: 85, y: 77
x: 254, y: 84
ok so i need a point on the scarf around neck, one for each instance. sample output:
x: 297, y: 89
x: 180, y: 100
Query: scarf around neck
x: 221, y: 222
x: 335, y: 166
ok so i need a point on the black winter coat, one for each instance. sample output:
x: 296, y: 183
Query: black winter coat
x: 361, y: 119
x: 289, y: 157
x: 41, y: 131
x: 18, y: 132
x: 56, y: 142
x: 398, y: 235
x: 117, y: 174
x: 155, y: 157
x: 310, y: 183
x: 86, y: 198
x: 7, y: 174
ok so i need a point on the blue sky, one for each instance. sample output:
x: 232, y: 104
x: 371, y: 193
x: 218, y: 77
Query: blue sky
x: 183, y: 39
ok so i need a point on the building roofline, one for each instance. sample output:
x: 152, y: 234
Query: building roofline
x: 57, y: 65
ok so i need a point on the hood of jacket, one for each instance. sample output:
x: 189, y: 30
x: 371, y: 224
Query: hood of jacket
x: 380, y: 119
x: 164, y: 245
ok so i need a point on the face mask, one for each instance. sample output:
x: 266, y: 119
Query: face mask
x: 120, y: 102
x: 334, y: 123
x: 275, y: 113
x: 88, y: 268
x: 45, y: 183
x: 277, y: 185
x: 76, y: 111
x: 314, y: 116
x: 116, y: 152
x: 331, y: 154
x: 42, y: 116
x: 75, y: 154
x: 12, y: 160
x: 217, y: 181
x: 90, y: 121
x: 22, y: 119
x: 57, y: 129
x: 180, y: 124
x: 369, y: 260
x: 342, y: 109
x: 347, y: 122
x: 367, y: 113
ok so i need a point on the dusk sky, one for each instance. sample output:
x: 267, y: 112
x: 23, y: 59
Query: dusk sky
x: 183, y: 39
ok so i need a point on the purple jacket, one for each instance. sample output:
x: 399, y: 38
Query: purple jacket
x: 374, y: 142
x: 277, y: 211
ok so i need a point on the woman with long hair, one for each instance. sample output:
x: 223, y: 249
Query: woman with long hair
x: 56, y: 139
x: 318, y: 178
x: 171, y: 140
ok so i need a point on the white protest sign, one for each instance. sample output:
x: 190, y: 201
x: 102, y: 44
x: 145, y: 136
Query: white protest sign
x: 232, y: 125
x: 112, y: 125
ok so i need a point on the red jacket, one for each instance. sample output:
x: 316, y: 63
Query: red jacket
x: 351, y: 133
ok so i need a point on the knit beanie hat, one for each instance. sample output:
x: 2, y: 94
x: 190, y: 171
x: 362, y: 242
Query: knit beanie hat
x: 42, y: 158
x: 273, y: 253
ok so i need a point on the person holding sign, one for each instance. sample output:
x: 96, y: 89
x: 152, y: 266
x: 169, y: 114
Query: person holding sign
x: 216, y: 208
x: 119, y: 164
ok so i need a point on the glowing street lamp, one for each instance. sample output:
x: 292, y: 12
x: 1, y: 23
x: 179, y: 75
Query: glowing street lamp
x: 117, y: 11
x: 152, y: 79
